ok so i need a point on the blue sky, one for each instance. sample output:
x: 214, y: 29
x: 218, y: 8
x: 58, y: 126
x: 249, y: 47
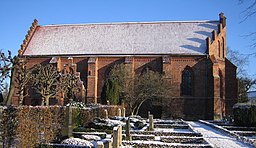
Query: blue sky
x: 16, y: 17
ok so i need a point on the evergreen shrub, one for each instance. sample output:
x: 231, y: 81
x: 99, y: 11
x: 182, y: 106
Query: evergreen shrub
x: 244, y: 114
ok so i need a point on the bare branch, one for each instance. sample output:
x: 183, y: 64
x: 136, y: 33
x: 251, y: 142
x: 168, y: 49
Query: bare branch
x: 249, y: 11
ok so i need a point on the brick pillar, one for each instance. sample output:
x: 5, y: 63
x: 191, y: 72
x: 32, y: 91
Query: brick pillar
x: 167, y: 70
x: 216, y: 90
x: 92, y: 83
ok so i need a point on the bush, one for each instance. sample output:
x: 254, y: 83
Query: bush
x: 244, y: 114
x: 33, y: 126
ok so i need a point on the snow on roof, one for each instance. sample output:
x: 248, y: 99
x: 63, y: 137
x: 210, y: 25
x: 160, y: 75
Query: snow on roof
x: 187, y: 38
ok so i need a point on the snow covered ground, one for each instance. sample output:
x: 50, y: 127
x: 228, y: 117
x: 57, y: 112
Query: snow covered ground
x: 217, y: 138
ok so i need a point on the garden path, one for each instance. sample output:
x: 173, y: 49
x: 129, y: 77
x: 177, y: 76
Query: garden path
x: 217, y: 138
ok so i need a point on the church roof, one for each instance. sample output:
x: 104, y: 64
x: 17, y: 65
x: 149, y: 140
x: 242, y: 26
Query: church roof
x: 186, y: 38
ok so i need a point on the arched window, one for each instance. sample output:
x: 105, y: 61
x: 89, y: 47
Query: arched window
x: 187, y: 82
x: 219, y: 48
x: 223, y: 48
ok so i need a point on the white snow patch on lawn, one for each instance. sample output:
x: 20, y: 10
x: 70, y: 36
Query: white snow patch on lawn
x: 172, y: 130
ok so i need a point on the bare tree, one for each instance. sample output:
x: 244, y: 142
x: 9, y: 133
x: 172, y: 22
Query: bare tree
x: 22, y: 78
x: 245, y: 82
x: 248, y: 12
x: 138, y: 88
x: 69, y: 86
x: 149, y: 86
x: 46, y: 81
x: 239, y: 60
x: 7, y: 64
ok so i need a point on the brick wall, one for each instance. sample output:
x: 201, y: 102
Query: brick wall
x: 205, y: 86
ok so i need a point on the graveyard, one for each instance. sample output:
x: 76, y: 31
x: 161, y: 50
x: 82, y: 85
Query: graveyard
x: 106, y: 126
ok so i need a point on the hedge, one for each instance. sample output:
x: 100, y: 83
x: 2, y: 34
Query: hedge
x: 244, y: 114
x: 29, y: 126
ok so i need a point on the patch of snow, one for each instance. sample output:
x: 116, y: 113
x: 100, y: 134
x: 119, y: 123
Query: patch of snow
x: 77, y: 141
x: 143, y: 143
x: 217, y: 138
x: 91, y: 137
x: 115, y: 122
x: 165, y: 130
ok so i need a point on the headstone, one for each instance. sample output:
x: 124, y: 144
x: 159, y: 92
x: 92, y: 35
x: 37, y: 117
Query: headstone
x: 119, y: 112
x: 116, y: 137
x: 151, y: 123
x: 100, y: 144
x: 127, y: 132
x: 108, y: 143
x: 106, y: 114
x: 120, y: 135
x: 123, y: 113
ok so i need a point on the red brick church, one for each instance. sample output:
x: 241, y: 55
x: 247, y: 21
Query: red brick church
x: 190, y: 53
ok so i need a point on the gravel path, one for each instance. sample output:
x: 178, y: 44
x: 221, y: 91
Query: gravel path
x: 217, y: 138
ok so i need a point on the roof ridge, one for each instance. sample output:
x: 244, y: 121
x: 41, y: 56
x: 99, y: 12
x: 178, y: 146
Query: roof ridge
x: 124, y: 23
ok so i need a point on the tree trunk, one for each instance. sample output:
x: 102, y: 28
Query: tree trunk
x: 47, y: 101
x: 12, y: 88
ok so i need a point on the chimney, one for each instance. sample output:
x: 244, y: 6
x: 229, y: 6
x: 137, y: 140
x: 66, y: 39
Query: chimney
x: 222, y: 19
